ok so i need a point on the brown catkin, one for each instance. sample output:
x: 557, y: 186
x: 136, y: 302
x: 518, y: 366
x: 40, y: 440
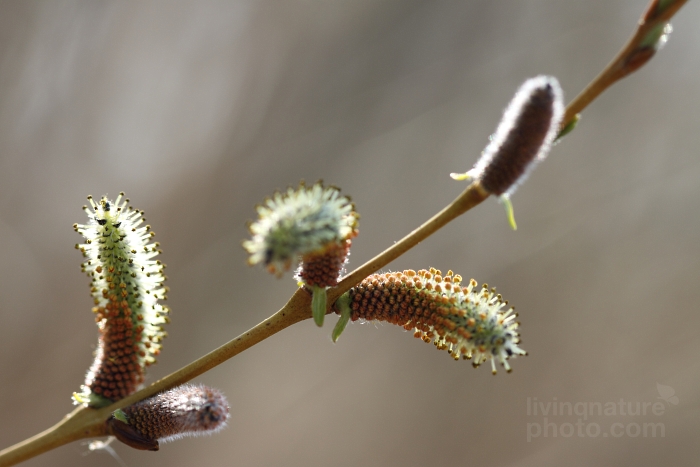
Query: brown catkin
x: 523, y: 137
x: 522, y: 144
x: 186, y: 410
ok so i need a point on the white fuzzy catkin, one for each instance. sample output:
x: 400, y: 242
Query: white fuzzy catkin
x: 524, y: 136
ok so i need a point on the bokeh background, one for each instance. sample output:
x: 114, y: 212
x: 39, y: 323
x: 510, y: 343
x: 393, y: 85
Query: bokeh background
x: 198, y: 110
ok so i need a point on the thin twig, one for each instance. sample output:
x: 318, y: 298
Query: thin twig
x: 470, y: 197
x: 74, y: 426
x: 628, y: 60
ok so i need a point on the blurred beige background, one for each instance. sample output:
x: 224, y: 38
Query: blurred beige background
x: 198, y: 110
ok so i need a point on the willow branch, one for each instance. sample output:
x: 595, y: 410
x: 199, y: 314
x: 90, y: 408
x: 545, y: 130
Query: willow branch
x: 470, y: 197
x: 89, y: 423
x: 629, y: 59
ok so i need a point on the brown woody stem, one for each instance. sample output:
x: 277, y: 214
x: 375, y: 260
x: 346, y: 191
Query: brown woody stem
x: 628, y: 60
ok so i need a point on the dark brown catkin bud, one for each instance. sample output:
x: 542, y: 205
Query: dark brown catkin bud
x: 186, y: 410
x: 523, y: 138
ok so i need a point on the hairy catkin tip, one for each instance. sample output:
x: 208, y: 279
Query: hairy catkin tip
x: 523, y: 138
x: 314, y: 223
x: 186, y: 410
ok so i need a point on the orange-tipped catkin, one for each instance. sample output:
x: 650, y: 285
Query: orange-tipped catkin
x: 465, y: 321
x: 186, y: 410
x: 126, y: 284
x: 527, y: 130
